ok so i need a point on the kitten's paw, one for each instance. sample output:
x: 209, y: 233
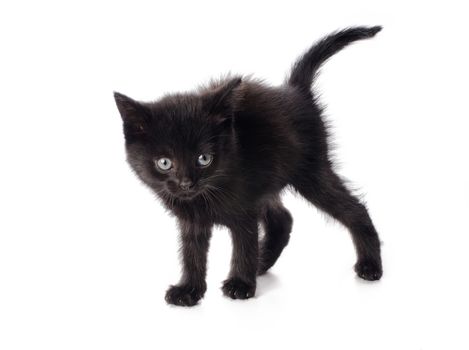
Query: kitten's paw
x: 369, y: 270
x: 183, y: 295
x: 235, y: 288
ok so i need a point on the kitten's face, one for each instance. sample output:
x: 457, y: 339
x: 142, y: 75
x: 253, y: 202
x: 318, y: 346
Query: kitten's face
x: 179, y: 146
x: 180, y: 152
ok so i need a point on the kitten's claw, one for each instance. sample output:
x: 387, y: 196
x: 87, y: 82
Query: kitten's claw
x: 235, y: 288
x: 183, y: 295
x: 369, y: 270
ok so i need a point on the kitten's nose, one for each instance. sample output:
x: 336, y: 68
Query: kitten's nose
x: 185, y: 184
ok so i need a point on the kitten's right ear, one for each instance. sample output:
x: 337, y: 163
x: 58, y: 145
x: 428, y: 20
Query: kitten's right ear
x: 129, y: 109
x: 133, y: 114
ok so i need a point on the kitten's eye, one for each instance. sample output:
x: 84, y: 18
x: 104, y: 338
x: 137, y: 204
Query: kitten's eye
x: 163, y: 164
x: 204, y: 160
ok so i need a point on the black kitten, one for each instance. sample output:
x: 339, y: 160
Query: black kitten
x: 223, y: 154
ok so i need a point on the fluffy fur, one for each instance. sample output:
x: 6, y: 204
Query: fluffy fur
x: 261, y: 139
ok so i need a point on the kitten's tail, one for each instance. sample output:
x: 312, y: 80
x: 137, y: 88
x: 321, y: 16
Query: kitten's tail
x: 305, y: 69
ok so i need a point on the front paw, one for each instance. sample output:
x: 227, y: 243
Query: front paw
x: 235, y: 288
x: 369, y: 269
x: 184, y: 295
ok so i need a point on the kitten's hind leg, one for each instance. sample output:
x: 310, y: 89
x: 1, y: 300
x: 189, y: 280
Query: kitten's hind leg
x: 277, y: 223
x: 326, y: 191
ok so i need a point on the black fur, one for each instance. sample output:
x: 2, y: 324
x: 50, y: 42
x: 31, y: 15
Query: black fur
x: 262, y: 139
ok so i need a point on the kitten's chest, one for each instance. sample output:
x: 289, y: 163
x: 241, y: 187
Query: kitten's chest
x: 208, y: 210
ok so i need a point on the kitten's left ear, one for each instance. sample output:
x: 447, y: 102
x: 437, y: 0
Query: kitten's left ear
x: 222, y: 100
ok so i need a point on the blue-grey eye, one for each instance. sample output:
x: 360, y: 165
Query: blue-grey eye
x: 204, y: 160
x: 164, y: 164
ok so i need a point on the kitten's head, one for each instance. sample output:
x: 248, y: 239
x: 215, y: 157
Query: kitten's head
x: 181, y: 145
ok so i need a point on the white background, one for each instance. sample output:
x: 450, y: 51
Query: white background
x: 87, y: 252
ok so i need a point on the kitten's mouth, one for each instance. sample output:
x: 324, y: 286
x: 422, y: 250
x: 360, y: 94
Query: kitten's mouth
x: 186, y: 195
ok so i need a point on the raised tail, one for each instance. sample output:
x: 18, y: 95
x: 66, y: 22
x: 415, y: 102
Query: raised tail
x: 305, y: 69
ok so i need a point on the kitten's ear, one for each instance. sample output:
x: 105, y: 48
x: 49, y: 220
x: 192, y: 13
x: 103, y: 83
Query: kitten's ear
x: 222, y: 100
x: 133, y: 113
x: 129, y: 109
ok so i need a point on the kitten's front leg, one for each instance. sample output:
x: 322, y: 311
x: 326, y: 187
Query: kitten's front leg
x: 241, y: 283
x: 195, y: 241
